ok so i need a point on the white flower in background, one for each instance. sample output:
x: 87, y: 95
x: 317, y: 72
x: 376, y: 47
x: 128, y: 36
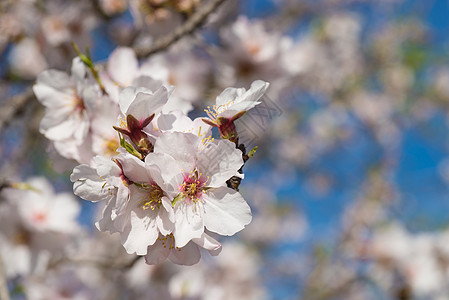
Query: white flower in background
x: 122, y: 68
x: 65, y: 283
x: 36, y: 223
x: 251, y: 53
x: 184, y: 69
x: 233, y: 275
x: 112, y: 7
x: 55, y: 30
x: 26, y: 59
x: 69, y: 101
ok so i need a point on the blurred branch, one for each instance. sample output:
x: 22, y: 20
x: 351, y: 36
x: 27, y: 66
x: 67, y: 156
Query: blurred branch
x: 4, y: 293
x: 14, y: 107
x: 4, y: 184
x: 194, y: 22
x: 104, y: 264
x: 336, y: 292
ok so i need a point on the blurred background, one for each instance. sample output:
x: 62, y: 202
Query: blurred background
x: 349, y: 185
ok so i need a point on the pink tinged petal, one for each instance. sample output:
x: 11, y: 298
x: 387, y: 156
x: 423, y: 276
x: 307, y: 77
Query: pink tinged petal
x: 142, y: 233
x: 122, y: 65
x: 186, y: 256
x: 157, y: 253
x: 220, y: 161
x: 89, y: 186
x: 188, y: 223
x: 209, y: 243
x: 225, y: 211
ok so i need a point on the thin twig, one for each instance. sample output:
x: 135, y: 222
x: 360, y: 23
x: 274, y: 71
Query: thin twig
x: 14, y: 107
x: 4, y: 293
x: 195, y: 21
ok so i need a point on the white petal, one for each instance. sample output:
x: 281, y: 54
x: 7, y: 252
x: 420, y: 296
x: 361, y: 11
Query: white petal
x: 181, y: 146
x: 89, y: 186
x: 209, y: 243
x: 157, y: 253
x: 186, y: 256
x: 220, y: 161
x: 142, y: 232
x: 225, y: 211
x: 188, y: 223
x: 144, y: 104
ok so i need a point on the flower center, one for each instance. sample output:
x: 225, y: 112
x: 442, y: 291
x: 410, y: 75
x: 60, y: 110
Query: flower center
x: 192, y: 187
x: 78, y: 103
x: 153, y: 198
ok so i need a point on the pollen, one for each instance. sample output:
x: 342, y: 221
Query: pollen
x: 192, y: 187
x: 110, y: 146
x: 214, y: 111
x: 152, y: 199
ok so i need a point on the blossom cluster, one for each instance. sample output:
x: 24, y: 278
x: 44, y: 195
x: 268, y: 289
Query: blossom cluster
x: 161, y: 176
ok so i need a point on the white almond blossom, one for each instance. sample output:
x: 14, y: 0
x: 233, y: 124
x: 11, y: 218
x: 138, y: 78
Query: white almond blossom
x: 36, y: 223
x: 69, y: 101
x: 195, y: 176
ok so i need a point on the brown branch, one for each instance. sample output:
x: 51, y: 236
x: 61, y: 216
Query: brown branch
x: 14, y: 107
x: 194, y: 22
x: 4, y: 293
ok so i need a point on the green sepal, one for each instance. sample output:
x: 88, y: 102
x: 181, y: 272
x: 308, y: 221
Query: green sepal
x: 129, y: 148
x: 176, y: 199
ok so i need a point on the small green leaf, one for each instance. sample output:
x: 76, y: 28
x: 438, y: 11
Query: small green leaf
x: 25, y: 186
x: 251, y: 153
